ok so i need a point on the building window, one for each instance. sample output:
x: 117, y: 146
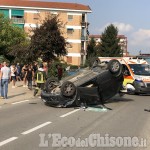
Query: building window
x: 83, y: 31
x: 69, y: 59
x: 82, y: 47
x: 16, y: 12
x: 5, y: 12
x: 53, y: 15
x: 17, y: 19
x: 17, y: 16
x: 70, y: 17
x: 83, y: 17
x: 69, y: 45
x: 36, y: 16
x: 70, y: 31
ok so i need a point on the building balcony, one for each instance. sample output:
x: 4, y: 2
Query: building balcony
x: 84, y: 24
x: 83, y: 51
x: 18, y: 20
x: 84, y: 38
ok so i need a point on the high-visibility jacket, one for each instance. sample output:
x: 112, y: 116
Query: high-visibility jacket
x: 40, y: 76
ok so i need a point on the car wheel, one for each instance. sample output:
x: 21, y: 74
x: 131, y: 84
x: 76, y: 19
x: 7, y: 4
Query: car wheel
x: 68, y: 89
x: 51, y: 83
x: 115, y: 67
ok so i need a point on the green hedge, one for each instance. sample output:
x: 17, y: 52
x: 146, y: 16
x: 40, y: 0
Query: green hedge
x: 52, y: 70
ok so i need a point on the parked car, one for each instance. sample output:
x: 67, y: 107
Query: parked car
x: 92, y: 85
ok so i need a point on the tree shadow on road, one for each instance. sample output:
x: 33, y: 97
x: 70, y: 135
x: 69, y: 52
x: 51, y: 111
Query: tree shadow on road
x: 11, y: 96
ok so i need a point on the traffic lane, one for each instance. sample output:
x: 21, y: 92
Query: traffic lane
x: 23, y: 116
x: 27, y: 143
x: 129, y: 121
x: 121, y: 121
x: 32, y: 140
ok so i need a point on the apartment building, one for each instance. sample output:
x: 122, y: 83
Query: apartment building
x: 123, y: 42
x: 27, y: 14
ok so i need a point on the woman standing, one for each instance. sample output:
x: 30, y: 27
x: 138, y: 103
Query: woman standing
x: 24, y: 75
x: 13, y: 75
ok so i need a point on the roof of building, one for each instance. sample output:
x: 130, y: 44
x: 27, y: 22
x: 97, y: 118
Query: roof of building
x: 44, y: 4
x: 94, y: 36
x: 99, y: 36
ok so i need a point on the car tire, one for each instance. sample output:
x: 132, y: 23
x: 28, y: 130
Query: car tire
x: 68, y: 89
x: 51, y: 83
x: 115, y: 67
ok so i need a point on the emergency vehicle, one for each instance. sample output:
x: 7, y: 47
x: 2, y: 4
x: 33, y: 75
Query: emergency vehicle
x: 136, y: 74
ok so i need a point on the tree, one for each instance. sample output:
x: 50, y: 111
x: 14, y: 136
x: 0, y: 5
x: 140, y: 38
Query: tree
x: 21, y: 53
x: 47, y: 41
x: 10, y: 35
x: 91, y: 48
x: 109, y: 45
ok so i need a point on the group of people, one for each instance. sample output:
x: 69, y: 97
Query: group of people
x: 31, y: 75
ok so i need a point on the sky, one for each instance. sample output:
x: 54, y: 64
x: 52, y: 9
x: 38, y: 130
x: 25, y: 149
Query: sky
x: 131, y: 17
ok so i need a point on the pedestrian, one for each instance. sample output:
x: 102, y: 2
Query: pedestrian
x: 40, y: 77
x: 13, y: 70
x: 45, y: 67
x: 0, y: 83
x: 30, y: 76
x: 24, y: 75
x: 35, y: 68
x: 5, y: 79
x: 59, y: 72
x: 18, y: 75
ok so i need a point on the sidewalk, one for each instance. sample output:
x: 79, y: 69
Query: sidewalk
x: 19, y: 93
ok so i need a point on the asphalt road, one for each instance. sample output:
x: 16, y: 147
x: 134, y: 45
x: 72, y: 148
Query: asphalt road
x: 30, y: 125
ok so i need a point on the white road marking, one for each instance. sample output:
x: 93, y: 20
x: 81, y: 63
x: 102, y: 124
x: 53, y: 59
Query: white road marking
x: 69, y: 113
x: 19, y: 102
x: 36, y: 128
x: 8, y: 140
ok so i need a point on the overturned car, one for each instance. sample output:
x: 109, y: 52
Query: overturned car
x: 93, y: 85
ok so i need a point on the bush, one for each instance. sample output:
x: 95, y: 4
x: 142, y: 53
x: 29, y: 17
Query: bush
x: 52, y: 70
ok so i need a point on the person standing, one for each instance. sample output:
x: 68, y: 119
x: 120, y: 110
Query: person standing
x: 59, y: 72
x: 0, y: 83
x: 30, y: 76
x: 13, y: 75
x: 40, y: 77
x: 5, y: 78
x: 45, y: 67
x: 35, y: 68
x: 18, y: 75
x: 24, y: 75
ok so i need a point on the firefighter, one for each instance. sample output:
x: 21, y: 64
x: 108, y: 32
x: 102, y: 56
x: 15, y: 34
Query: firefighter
x: 40, y: 78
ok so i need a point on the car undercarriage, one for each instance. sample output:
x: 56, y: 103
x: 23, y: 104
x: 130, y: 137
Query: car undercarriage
x: 93, y: 85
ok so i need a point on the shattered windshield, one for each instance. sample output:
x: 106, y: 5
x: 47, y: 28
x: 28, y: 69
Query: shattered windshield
x: 140, y: 69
